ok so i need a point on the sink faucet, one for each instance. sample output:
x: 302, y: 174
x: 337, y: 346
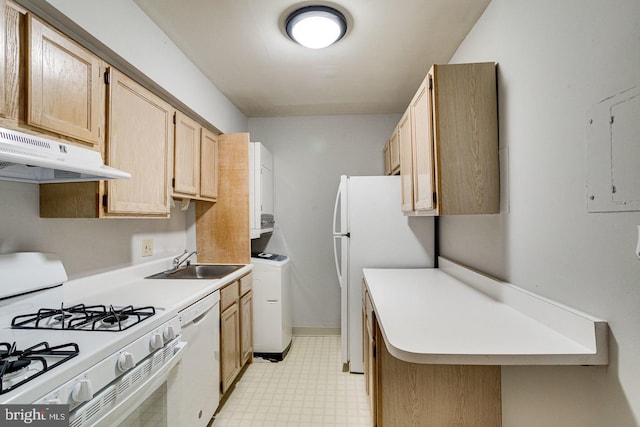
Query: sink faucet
x: 178, y: 261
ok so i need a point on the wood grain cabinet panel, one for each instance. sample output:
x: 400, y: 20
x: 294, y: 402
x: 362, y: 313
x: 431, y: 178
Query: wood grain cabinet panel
x: 236, y: 329
x: 209, y: 165
x: 229, y: 346
x: 11, y: 64
x: 186, y: 161
x: 65, y: 85
x: 246, y: 328
x: 394, y: 153
x: 449, y: 158
x: 140, y: 129
x: 406, y: 161
x: 195, y: 173
x: 386, y: 159
x: 4, y: 108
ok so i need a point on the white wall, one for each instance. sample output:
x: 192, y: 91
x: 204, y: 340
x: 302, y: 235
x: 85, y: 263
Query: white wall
x: 556, y: 59
x: 310, y: 154
x: 86, y: 246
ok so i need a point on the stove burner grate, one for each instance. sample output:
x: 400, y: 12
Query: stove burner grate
x: 14, y: 361
x: 84, y: 318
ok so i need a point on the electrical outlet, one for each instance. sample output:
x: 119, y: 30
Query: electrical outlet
x: 147, y: 247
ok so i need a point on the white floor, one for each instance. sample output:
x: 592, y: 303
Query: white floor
x: 308, y: 388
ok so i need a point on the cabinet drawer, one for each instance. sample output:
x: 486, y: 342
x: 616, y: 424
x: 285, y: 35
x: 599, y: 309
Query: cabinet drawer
x: 246, y: 283
x: 229, y: 294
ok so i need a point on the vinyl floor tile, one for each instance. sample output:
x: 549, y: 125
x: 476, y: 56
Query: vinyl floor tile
x: 308, y: 388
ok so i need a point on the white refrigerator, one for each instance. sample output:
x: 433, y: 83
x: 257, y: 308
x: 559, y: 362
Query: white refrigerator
x: 369, y: 230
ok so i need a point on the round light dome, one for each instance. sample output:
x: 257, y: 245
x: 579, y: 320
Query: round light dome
x: 316, y: 27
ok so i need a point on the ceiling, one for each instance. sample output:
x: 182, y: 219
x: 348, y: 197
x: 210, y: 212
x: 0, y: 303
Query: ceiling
x: 390, y: 45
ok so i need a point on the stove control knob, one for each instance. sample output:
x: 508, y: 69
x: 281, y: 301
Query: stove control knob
x: 156, y: 341
x: 125, y: 361
x: 82, y: 391
x: 169, y: 333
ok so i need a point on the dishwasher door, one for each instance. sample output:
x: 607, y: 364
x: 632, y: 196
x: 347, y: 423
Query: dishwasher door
x: 200, y: 367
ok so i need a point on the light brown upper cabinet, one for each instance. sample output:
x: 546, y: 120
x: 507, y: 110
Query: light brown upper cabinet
x: 3, y: 59
x: 387, y: 159
x: 454, y: 143
x: 195, y: 160
x: 209, y: 165
x: 139, y: 141
x: 140, y: 137
x: 65, y: 85
x: 394, y: 153
x: 186, y: 160
x: 11, y: 20
x: 391, y: 154
x: 406, y: 161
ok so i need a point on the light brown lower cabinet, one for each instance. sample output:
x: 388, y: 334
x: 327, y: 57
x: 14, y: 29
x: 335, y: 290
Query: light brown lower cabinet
x: 236, y: 333
x: 407, y: 394
x: 229, y: 345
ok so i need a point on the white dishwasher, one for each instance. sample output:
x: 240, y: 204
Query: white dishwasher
x: 272, y: 326
x: 199, y: 371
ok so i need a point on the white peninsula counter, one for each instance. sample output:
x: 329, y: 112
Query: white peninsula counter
x: 435, y: 338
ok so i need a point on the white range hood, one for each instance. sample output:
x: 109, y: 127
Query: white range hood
x: 30, y: 158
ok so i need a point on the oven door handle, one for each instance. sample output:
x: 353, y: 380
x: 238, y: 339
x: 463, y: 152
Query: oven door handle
x: 124, y: 408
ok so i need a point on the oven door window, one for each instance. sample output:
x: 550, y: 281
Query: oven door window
x: 151, y: 413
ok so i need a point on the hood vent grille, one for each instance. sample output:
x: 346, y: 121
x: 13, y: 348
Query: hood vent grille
x: 30, y: 158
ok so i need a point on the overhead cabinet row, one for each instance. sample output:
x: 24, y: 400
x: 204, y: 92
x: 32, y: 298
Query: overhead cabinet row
x: 61, y: 90
x: 448, y: 143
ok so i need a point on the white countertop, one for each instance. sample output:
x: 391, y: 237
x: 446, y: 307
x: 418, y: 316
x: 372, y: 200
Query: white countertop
x: 430, y: 316
x: 128, y: 286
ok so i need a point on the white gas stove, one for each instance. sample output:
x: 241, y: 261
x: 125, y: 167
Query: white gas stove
x: 89, y: 355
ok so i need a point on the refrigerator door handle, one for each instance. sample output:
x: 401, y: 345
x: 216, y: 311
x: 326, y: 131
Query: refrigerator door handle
x: 337, y: 240
x: 340, y: 219
x: 335, y: 211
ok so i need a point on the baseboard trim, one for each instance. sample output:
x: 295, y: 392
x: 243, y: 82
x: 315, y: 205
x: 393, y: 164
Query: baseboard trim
x: 302, y: 331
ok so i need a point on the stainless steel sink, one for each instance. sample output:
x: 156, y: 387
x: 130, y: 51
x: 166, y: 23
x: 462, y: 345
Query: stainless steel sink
x: 198, y: 271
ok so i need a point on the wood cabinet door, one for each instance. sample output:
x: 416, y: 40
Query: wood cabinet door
x: 209, y: 165
x: 186, y: 161
x: 4, y: 108
x: 246, y: 328
x: 65, y: 85
x: 10, y: 60
x: 422, y: 137
x: 406, y: 161
x: 386, y: 159
x: 394, y: 153
x: 140, y: 134
x: 229, y: 345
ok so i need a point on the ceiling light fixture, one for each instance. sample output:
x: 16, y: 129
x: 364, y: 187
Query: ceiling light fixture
x: 316, y: 27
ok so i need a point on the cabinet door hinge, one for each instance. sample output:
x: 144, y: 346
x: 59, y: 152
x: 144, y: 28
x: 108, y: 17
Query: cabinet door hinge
x: 104, y: 200
x: 430, y: 83
x: 174, y: 118
x: 173, y: 182
x: 107, y: 77
x: 435, y: 198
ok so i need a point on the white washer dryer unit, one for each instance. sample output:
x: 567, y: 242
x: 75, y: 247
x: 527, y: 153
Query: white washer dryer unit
x: 271, y: 306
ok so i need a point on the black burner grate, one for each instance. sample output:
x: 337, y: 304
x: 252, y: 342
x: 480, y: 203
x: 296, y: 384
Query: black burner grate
x: 81, y: 317
x: 13, y: 360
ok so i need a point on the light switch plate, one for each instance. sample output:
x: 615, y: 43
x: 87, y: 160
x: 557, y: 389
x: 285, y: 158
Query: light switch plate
x: 147, y: 247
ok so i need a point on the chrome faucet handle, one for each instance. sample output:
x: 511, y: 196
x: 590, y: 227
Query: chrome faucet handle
x: 176, y: 260
x: 185, y: 259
